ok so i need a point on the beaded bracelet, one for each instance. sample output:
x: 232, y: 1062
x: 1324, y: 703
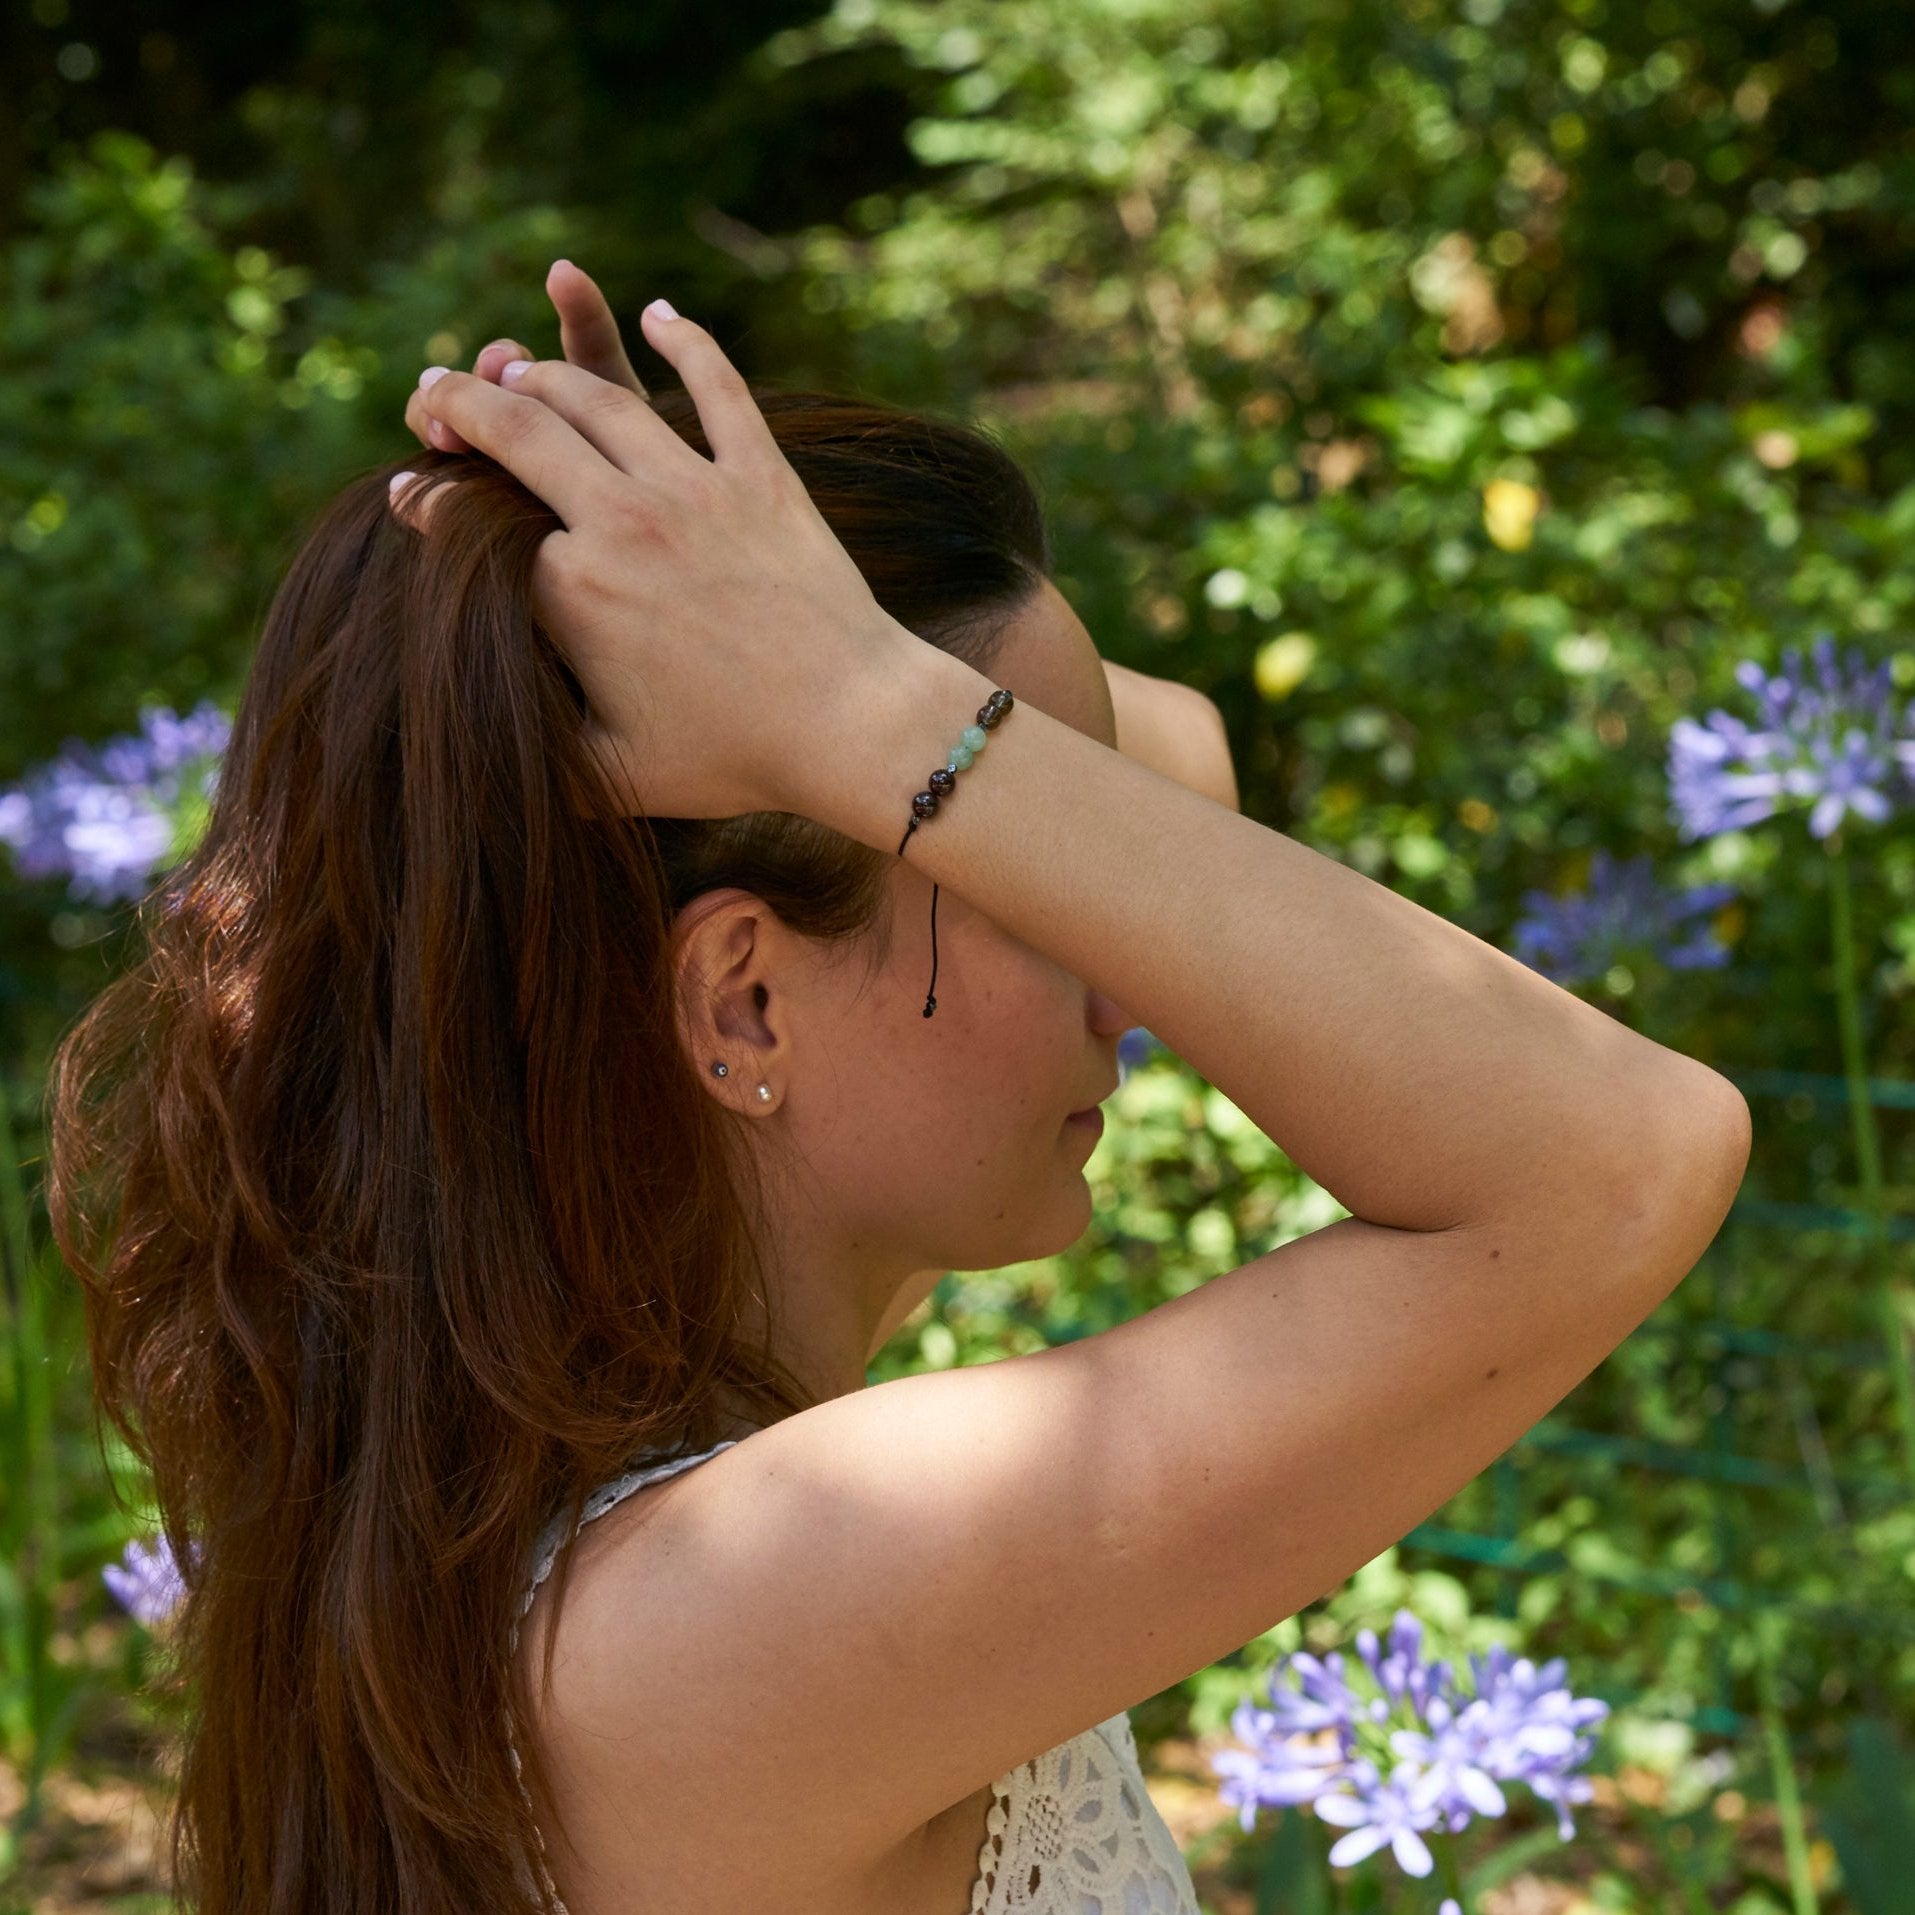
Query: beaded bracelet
x: 940, y: 785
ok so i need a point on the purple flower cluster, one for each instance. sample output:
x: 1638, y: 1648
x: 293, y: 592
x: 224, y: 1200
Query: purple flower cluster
x: 1321, y: 1742
x: 105, y: 818
x: 145, y: 1582
x: 1827, y: 738
x: 1624, y: 914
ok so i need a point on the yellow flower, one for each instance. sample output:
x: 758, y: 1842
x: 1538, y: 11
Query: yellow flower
x: 1509, y: 512
x: 1284, y: 663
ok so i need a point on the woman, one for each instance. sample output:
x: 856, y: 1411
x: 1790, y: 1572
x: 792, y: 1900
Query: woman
x: 605, y: 998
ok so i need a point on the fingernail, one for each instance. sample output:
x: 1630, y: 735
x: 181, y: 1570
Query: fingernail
x: 432, y: 375
x: 513, y: 371
x: 437, y: 433
x: 397, y: 480
x: 564, y: 262
x: 662, y: 309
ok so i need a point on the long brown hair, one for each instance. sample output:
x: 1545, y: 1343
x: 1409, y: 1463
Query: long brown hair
x: 402, y: 1216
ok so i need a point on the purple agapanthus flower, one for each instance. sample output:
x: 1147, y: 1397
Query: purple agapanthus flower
x: 1134, y: 1047
x: 1413, y: 1754
x: 1826, y: 738
x: 1379, y: 1809
x: 1284, y: 1757
x: 103, y: 817
x: 1625, y: 914
x: 146, y: 1582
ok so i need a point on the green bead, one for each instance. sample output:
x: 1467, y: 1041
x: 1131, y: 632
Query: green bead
x: 960, y: 758
x: 976, y: 737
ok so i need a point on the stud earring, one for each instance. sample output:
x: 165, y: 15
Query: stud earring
x: 724, y: 1070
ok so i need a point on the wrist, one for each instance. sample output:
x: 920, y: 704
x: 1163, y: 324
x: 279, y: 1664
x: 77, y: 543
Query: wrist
x: 888, y: 731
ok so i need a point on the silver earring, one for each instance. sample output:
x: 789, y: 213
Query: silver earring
x: 724, y: 1070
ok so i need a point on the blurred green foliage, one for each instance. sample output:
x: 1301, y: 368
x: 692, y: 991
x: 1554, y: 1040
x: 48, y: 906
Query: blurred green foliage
x: 1453, y: 389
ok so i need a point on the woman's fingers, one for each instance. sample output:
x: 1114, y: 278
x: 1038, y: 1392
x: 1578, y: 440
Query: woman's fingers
x: 588, y: 337
x: 588, y: 334
x: 734, y: 427
x: 414, y: 500
x: 500, y: 353
x: 485, y: 365
x: 538, y: 446
x: 560, y: 427
x: 613, y: 418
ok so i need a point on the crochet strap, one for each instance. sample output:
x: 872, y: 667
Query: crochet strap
x: 607, y: 1496
x: 551, y: 1540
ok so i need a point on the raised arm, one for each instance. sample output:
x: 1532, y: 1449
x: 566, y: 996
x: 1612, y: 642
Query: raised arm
x: 910, y: 1588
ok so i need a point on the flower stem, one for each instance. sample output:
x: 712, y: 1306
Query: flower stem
x: 1446, y: 1864
x: 1788, y: 1798
x: 1868, y: 1147
x: 31, y: 1530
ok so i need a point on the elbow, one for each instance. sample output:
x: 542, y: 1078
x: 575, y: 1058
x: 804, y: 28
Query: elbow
x: 1710, y: 1143
x: 1687, y: 1169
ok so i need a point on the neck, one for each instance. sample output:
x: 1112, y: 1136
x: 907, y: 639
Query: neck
x: 828, y: 1301
x: 822, y: 1330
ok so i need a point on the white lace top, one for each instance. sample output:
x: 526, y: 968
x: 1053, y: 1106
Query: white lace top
x: 1071, y: 1832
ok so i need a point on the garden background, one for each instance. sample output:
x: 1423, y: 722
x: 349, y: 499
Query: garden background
x: 1455, y: 391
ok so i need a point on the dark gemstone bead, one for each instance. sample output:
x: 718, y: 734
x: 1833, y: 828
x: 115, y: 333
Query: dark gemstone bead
x: 924, y: 803
x: 991, y: 712
x: 943, y: 781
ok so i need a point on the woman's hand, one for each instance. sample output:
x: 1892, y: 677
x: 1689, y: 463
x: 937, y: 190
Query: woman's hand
x: 702, y: 601
x: 1175, y: 730
x: 1172, y: 728
x: 588, y: 337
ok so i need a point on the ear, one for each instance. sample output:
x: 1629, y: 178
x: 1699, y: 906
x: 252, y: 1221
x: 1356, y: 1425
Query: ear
x: 717, y: 968
x: 687, y: 1013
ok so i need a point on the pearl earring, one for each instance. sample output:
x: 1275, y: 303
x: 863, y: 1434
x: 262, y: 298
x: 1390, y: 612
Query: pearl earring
x: 724, y: 1070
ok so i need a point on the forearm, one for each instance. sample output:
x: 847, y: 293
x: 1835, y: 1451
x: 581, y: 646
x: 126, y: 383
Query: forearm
x: 1421, y: 1076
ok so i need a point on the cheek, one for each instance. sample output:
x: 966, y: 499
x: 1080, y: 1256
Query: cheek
x: 976, y: 1093
x: 1002, y: 1053
x: 1021, y: 1053
x: 948, y: 1132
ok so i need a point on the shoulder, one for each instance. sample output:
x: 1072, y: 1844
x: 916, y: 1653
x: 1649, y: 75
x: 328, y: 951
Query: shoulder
x: 647, y: 1728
